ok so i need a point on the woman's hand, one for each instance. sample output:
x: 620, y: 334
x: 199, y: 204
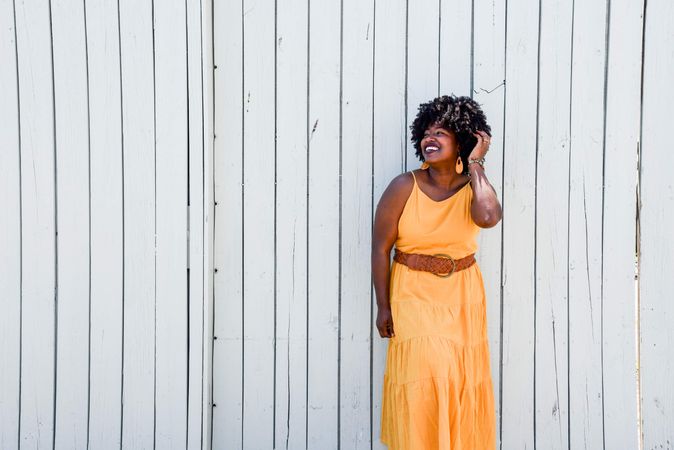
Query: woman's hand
x: 482, y: 146
x: 385, y: 322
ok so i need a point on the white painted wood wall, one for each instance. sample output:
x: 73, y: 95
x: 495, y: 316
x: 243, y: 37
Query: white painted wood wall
x: 104, y: 208
x: 312, y: 105
x: 123, y: 137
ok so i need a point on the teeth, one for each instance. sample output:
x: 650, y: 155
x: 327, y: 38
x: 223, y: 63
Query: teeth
x: 431, y: 148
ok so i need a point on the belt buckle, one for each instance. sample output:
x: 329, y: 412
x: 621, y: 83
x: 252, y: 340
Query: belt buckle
x: 444, y: 256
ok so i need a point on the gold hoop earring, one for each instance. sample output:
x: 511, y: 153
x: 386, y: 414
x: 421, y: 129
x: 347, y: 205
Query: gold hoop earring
x: 425, y: 165
x: 459, y: 165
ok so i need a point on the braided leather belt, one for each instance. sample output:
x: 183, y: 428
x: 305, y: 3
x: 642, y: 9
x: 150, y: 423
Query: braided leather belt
x: 439, y: 264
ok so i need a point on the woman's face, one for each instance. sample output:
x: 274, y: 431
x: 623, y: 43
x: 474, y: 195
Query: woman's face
x: 439, y: 144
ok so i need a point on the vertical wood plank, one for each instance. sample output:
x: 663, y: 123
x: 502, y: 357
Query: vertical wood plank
x: 228, y: 257
x: 10, y: 232
x: 323, y: 222
x: 551, y: 346
x: 291, y: 223
x: 489, y: 92
x: 72, y: 168
x: 38, y: 219
x: 423, y: 31
x: 656, y: 222
x: 137, y: 70
x: 517, y: 394
x: 107, y: 227
x: 171, y: 223
x: 196, y: 308
x: 622, y: 139
x: 455, y: 44
x: 389, y: 145
x: 585, y: 226
x: 208, y: 140
x: 356, y: 208
x: 259, y: 166
x: 107, y: 240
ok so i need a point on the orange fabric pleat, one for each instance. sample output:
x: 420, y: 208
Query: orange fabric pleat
x: 437, y: 391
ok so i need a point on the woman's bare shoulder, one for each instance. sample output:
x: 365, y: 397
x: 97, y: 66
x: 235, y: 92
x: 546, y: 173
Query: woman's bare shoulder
x: 398, y: 191
x: 400, y: 187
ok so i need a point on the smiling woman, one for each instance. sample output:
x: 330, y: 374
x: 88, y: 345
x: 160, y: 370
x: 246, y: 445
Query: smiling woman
x: 460, y: 117
x: 437, y: 391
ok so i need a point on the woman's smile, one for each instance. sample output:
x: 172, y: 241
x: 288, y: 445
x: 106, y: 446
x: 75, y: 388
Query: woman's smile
x: 430, y: 149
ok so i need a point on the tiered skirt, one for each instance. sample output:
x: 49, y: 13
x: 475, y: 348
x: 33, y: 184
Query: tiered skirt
x: 437, y: 391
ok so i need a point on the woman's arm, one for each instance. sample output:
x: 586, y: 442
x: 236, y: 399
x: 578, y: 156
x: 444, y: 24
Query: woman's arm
x: 385, y: 232
x: 485, y: 208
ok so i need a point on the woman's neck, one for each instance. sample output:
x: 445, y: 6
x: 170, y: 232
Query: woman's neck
x: 444, y: 177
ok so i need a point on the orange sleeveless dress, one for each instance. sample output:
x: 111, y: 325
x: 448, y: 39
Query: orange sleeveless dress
x: 437, y: 391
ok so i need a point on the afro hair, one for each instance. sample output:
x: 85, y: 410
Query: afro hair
x: 461, y: 115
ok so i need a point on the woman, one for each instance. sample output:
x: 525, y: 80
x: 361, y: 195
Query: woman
x: 437, y: 390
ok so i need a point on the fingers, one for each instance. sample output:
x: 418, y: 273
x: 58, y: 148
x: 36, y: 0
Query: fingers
x: 483, y: 138
x: 482, y: 135
x: 389, y: 329
x: 386, y: 330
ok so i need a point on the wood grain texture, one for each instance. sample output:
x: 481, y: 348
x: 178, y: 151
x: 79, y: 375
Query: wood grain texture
x: 171, y: 164
x: 551, y: 319
x: 259, y: 162
x: 456, y: 39
x: 517, y: 394
x: 489, y: 92
x: 107, y: 225
x: 140, y: 295
x: 657, y: 218
x: 38, y: 225
x: 323, y: 320
x: 356, y: 212
x: 292, y: 133
x: 197, y: 126
x: 208, y: 139
x: 10, y: 232
x: 585, y: 226
x: 228, y: 244
x: 619, y: 207
x: 73, y: 241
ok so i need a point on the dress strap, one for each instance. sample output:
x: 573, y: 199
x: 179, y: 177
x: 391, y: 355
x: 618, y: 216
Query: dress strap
x: 414, y: 176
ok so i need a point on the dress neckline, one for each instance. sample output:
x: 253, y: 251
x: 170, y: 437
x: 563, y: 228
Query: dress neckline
x: 417, y: 186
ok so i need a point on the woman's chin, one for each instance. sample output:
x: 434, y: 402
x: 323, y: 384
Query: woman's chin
x: 436, y: 159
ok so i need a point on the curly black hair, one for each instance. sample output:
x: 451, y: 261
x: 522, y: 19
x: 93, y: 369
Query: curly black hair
x: 461, y: 115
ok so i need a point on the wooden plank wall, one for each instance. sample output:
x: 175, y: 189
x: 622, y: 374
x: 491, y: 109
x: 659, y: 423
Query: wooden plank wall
x: 156, y: 215
x: 312, y: 106
x: 105, y: 173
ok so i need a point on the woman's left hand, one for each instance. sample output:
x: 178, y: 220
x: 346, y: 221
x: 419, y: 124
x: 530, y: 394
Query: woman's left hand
x: 482, y: 146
